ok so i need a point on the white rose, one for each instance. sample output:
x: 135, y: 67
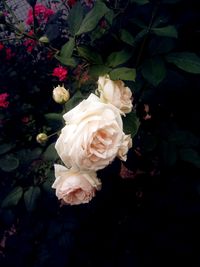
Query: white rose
x: 115, y: 93
x: 92, y: 136
x: 60, y: 94
x: 75, y: 186
x: 126, y: 145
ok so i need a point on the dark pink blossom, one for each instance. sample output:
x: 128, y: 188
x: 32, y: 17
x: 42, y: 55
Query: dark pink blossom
x: 60, y: 72
x: 1, y: 46
x: 3, y: 100
x: 9, y: 53
x: 42, y: 14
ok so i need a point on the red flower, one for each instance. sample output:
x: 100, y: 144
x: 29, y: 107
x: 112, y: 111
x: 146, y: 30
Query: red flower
x: 9, y: 53
x: 3, y: 100
x: 71, y: 2
x: 42, y: 14
x: 60, y: 72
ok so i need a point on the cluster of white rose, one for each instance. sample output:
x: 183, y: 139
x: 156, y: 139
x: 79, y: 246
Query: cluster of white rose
x: 91, y: 139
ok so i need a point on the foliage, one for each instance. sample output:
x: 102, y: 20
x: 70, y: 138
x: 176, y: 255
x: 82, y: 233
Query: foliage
x: 153, y: 46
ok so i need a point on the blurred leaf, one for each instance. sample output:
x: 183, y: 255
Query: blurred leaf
x: 98, y: 70
x: 74, y: 100
x: 47, y: 185
x: 168, y: 31
x: 31, y: 197
x: 126, y: 37
x: 4, y: 148
x: 13, y: 197
x: 67, y: 49
x: 161, y: 45
x: 92, y: 18
x: 131, y: 123
x: 54, y: 120
x: 66, y: 61
x: 140, y: 2
x: 9, y: 163
x: 109, y: 16
x: 186, y: 61
x: 75, y: 18
x: 154, y: 71
x: 126, y: 74
x: 190, y: 155
x: 118, y: 58
x: 90, y: 55
x: 50, y: 153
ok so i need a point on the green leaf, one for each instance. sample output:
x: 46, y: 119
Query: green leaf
x: 154, y: 71
x: 50, y: 153
x: 75, y: 18
x: 54, y: 120
x: 161, y: 45
x: 71, y: 62
x: 75, y: 100
x: 118, y: 58
x: 140, y: 2
x: 67, y: 49
x: 92, y: 18
x: 13, y: 197
x: 90, y: 55
x: 190, y: 155
x: 31, y: 197
x: 186, y: 61
x: 9, y: 163
x: 4, y: 148
x: 126, y: 37
x: 126, y: 74
x: 131, y: 123
x: 168, y: 31
x: 98, y: 70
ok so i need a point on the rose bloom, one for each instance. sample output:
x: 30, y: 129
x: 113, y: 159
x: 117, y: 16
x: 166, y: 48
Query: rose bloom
x: 3, y: 100
x: 93, y: 135
x: 60, y: 94
x: 75, y: 186
x: 116, y: 93
x: 42, y: 14
x: 60, y: 72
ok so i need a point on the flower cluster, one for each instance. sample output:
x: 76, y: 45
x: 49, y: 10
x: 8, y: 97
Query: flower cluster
x: 42, y: 14
x: 3, y: 100
x: 91, y: 139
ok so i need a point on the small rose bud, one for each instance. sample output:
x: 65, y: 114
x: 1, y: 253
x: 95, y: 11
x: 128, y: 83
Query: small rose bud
x: 44, y: 39
x: 60, y: 94
x: 41, y: 138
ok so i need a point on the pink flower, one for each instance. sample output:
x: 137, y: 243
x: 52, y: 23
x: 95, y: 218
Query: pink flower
x: 1, y: 46
x: 30, y: 44
x: 9, y: 53
x: 42, y: 14
x: 71, y: 2
x: 3, y: 100
x: 60, y: 72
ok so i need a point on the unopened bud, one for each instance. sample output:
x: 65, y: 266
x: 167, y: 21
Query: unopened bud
x: 41, y: 138
x: 60, y: 94
x: 44, y: 39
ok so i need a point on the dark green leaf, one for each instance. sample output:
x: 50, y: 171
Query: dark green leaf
x: 54, y: 120
x: 168, y: 31
x: 31, y: 197
x: 186, y: 61
x: 67, y: 49
x: 13, y: 197
x: 161, y: 45
x: 4, y: 148
x: 90, y: 55
x: 118, y: 58
x: 75, y: 100
x: 126, y: 37
x: 75, y: 18
x: 50, y: 153
x: 190, y: 155
x: 9, y: 163
x: 66, y: 61
x: 131, y: 123
x: 98, y: 70
x: 92, y: 18
x: 154, y: 71
x: 123, y: 73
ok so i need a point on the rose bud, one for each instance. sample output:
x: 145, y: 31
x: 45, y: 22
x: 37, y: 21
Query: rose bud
x: 41, y: 138
x: 60, y: 94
